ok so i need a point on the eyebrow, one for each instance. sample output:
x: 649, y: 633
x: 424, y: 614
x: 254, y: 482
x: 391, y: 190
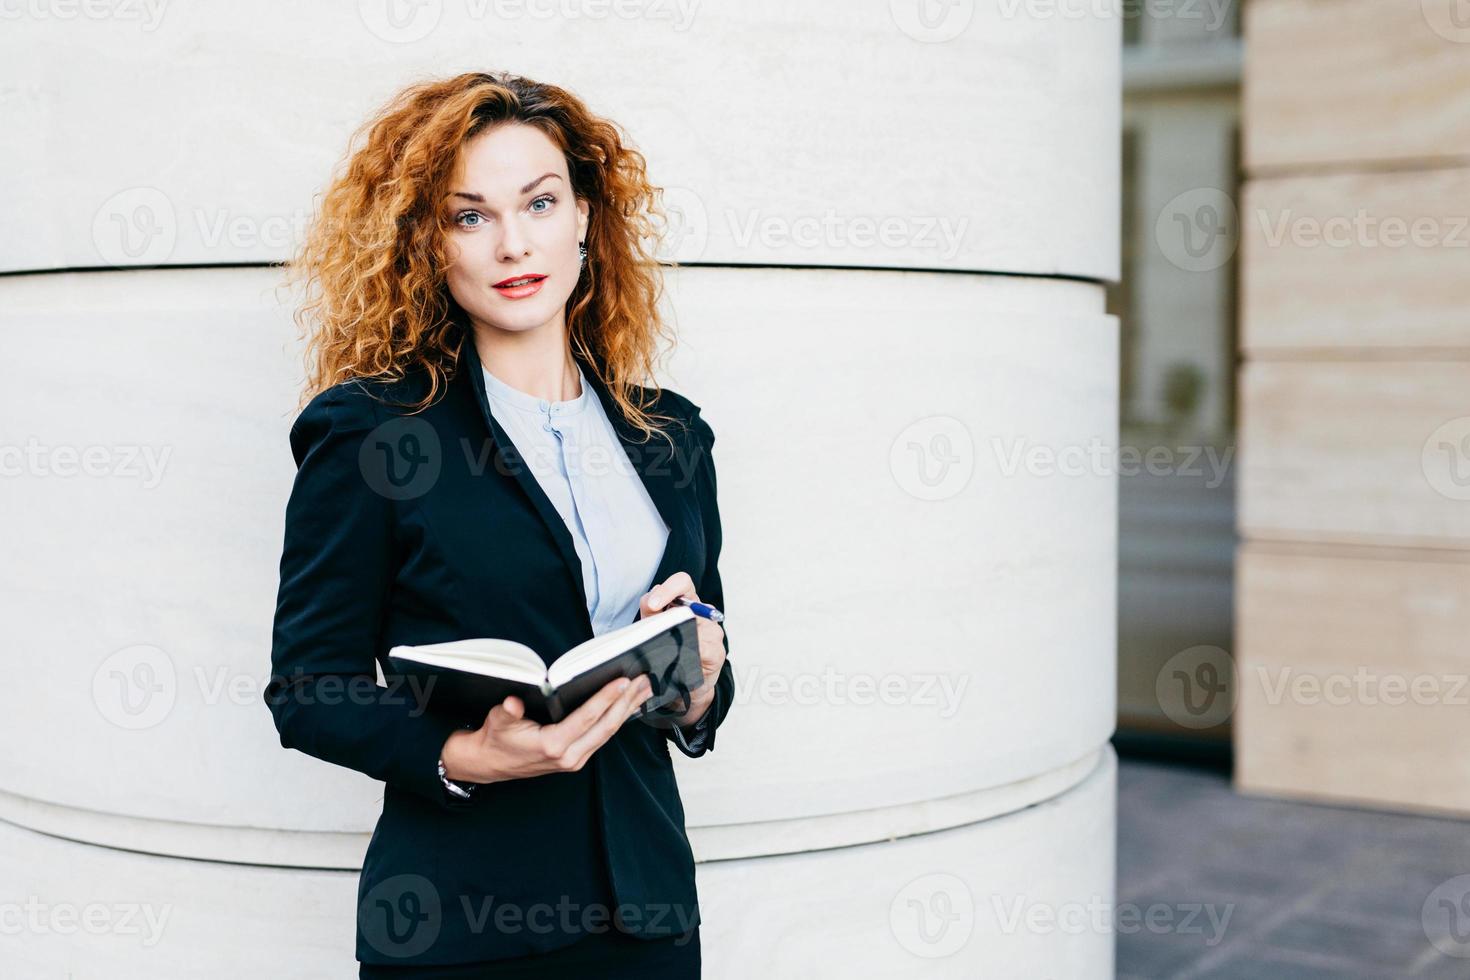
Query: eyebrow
x: 479, y: 199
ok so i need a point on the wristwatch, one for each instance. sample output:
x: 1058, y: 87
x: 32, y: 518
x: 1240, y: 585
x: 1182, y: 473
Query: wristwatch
x: 462, y: 790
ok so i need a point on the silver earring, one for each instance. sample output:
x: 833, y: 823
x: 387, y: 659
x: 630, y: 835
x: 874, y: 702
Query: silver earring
x: 581, y: 254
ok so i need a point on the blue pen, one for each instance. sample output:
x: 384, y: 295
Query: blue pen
x: 700, y: 608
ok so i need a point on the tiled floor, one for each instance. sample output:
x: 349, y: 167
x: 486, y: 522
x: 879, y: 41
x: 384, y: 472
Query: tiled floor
x: 1212, y: 885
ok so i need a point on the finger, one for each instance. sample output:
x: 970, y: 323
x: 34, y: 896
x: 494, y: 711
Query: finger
x: 584, y: 745
x: 636, y: 693
x: 711, y: 636
x: 645, y: 692
x: 662, y: 594
x: 507, y: 712
x: 575, y: 724
x: 611, y: 720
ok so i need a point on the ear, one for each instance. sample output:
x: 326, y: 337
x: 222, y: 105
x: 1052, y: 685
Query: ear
x: 583, y: 213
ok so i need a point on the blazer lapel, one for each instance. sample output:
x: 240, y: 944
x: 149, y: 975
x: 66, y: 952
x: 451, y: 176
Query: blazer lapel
x: 657, y: 466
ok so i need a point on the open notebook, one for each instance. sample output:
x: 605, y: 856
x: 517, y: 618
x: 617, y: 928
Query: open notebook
x: 466, y: 678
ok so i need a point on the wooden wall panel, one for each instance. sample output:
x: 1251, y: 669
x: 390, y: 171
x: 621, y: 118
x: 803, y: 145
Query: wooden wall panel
x: 1336, y: 451
x: 1349, y: 262
x: 1355, y: 403
x: 1354, y: 676
x: 1350, y: 81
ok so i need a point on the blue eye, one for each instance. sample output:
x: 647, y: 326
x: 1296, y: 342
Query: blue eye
x: 459, y: 218
x: 549, y: 200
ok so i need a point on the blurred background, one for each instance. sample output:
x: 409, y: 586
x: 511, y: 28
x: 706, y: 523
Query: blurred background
x: 1292, y: 661
x: 1129, y: 483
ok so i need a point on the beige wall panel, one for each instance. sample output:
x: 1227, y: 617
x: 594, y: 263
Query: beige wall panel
x: 1353, y: 670
x: 1353, y: 81
x: 1367, y: 262
x: 1367, y: 453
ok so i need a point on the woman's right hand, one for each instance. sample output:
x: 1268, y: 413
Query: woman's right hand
x: 510, y: 746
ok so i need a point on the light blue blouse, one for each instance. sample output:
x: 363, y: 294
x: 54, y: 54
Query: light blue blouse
x: 574, y: 453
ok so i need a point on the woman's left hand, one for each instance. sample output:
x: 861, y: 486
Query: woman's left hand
x: 711, y: 641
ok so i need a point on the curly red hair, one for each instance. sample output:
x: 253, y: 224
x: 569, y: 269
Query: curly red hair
x: 376, y: 302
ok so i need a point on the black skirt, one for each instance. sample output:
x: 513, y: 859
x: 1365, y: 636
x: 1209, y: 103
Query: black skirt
x: 608, y: 955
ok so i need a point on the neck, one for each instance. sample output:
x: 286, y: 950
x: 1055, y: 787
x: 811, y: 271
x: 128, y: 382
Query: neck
x: 538, y: 362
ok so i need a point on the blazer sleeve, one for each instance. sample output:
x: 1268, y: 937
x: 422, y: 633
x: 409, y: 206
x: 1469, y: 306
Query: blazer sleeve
x: 336, y: 573
x: 699, y: 738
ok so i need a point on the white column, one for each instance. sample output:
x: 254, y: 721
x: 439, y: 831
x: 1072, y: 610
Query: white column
x: 892, y: 247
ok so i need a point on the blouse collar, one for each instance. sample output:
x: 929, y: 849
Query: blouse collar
x: 515, y: 398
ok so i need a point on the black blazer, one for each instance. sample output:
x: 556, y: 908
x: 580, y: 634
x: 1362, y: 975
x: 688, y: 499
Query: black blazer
x: 428, y: 527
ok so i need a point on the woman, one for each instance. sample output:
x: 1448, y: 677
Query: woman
x: 477, y: 458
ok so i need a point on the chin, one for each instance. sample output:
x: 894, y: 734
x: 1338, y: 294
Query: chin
x: 520, y: 320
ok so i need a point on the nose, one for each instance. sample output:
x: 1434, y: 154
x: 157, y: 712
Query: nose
x: 513, y: 241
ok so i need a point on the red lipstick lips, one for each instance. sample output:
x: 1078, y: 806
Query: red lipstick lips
x: 519, y: 287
